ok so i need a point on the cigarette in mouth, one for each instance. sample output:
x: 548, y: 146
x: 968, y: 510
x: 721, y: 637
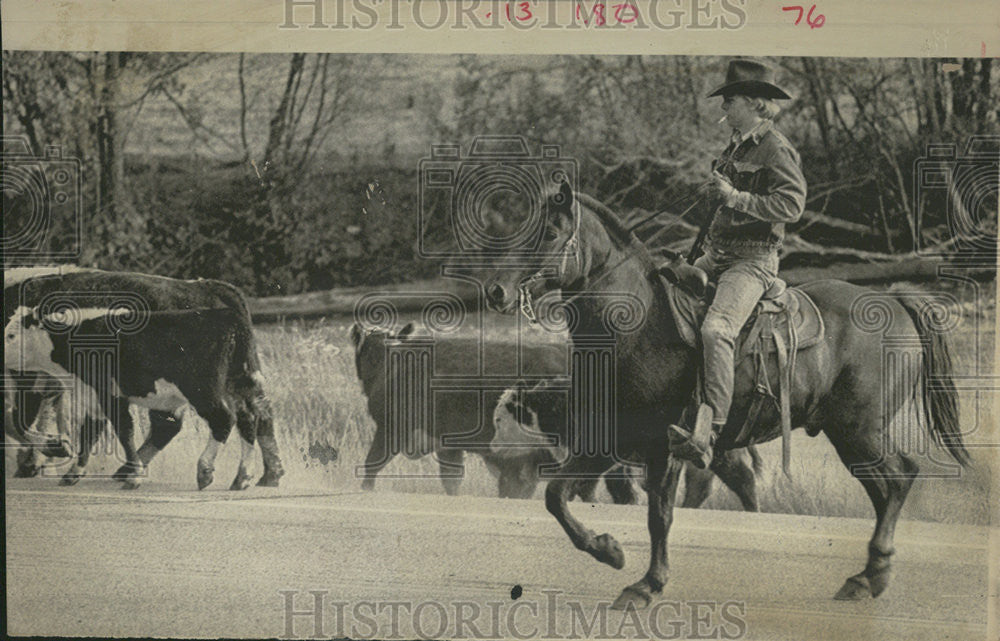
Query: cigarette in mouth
x: 721, y: 120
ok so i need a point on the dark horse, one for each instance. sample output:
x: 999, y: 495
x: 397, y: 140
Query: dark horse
x: 839, y: 385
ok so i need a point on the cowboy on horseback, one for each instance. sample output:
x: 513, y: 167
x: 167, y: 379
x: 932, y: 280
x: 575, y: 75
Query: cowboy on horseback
x: 757, y: 188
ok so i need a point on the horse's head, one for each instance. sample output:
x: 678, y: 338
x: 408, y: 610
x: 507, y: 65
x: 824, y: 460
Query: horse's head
x: 554, y: 264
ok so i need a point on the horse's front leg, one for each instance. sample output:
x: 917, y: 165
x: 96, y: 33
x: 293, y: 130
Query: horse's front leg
x: 661, y: 488
x: 558, y: 493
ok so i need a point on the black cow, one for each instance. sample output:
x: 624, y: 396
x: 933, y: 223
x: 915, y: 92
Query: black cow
x: 467, y: 412
x: 212, y: 343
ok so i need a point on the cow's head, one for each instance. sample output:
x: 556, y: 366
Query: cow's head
x: 369, y: 352
x: 528, y: 419
x: 27, y: 343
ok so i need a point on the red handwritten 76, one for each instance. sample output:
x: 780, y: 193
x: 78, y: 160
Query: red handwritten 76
x: 814, y: 23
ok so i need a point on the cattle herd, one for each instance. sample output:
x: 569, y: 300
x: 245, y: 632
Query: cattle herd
x: 90, y: 344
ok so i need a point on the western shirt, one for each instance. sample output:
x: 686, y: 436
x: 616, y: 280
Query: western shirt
x: 766, y: 171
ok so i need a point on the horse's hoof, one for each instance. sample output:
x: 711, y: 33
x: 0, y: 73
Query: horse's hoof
x: 122, y: 473
x: 879, y: 581
x: 205, y: 477
x: 636, y: 597
x: 609, y: 551
x: 131, y: 483
x: 368, y: 484
x: 241, y: 482
x: 855, y: 588
x: 269, y: 479
x: 70, y: 478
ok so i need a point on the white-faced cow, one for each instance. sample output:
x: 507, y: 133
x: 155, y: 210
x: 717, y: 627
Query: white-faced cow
x: 528, y: 417
x: 188, y: 342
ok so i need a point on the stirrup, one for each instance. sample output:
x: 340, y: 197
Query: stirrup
x: 695, y: 445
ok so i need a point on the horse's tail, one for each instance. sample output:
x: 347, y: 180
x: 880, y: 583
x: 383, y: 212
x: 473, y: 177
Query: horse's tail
x: 755, y: 460
x: 941, y: 402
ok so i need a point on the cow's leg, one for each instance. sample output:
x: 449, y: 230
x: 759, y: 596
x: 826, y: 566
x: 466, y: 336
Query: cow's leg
x: 661, y: 490
x: 246, y: 425
x: 163, y: 427
x: 125, y: 429
x: 451, y: 468
x: 90, y: 432
x: 602, y: 547
x: 23, y: 415
x: 30, y: 462
x: 517, y: 478
x: 735, y: 469
x: 20, y: 420
x: 273, y: 469
x: 620, y: 487
x: 379, y: 455
x: 586, y: 490
x: 698, y: 484
x: 220, y: 421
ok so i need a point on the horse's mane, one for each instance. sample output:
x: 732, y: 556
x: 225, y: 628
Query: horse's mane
x: 616, y: 227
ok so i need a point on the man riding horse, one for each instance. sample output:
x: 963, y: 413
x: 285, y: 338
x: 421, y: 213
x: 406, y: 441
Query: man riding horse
x: 758, y: 187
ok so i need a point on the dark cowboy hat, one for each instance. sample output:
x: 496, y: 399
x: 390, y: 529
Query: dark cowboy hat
x: 750, y: 78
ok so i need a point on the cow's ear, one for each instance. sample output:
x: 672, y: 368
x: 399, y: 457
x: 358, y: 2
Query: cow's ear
x: 356, y: 334
x: 406, y: 331
x: 561, y: 202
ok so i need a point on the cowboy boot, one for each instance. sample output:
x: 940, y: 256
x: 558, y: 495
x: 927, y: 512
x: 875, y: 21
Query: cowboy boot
x: 695, y: 445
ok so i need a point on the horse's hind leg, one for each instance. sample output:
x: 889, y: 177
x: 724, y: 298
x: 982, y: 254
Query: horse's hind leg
x: 887, y: 478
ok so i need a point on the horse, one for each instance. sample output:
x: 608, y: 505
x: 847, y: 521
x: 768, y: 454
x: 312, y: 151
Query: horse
x: 591, y: 273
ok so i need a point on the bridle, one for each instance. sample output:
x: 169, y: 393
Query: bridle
x: 572, y: 244
x: 570, y: 247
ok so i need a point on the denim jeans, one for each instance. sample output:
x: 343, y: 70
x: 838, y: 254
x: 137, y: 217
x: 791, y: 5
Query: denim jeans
x: 741, y: 281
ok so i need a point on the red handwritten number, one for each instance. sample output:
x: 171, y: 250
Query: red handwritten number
x: 632, y: 15
x: 799, y: 9
x: 814, y: 23
x: 818, y: 21
x: 525, y: 9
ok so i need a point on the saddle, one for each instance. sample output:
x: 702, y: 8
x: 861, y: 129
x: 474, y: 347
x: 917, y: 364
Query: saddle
x: 785, y: 320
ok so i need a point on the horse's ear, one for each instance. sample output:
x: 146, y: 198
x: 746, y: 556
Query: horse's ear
x: 406, y: 331
x: 562, y: 200
x: 356, y: 334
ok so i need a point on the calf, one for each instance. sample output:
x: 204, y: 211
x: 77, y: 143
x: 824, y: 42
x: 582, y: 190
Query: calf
x: 537, y: 417
x: 97, y: 288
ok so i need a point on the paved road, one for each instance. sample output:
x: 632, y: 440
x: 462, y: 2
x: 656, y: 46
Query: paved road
x: 165, y: 561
